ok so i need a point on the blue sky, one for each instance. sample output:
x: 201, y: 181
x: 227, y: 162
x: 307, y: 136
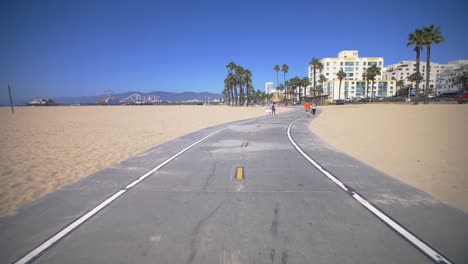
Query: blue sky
x: 75, y: 48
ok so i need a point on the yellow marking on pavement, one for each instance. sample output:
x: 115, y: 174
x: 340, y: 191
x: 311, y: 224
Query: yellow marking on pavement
x: 251, y: 132
x: 239, y: 173
x: 244, y: 144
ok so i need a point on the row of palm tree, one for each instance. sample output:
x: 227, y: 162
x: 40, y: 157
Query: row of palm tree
x: 419, y: 38
x: 238, y: 86
x: 284, y: 69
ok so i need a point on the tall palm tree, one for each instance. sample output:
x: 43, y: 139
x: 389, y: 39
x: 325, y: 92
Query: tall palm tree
x: 305, y: 82
x: 231, y: 67
x: 276, y: 69
x: 414, y: 77
x: 400, y: 83
x: 240, y: 82
x: 284, y: 69
x: 417, y: 39
x: 341, y: 75
x: 316, y: 65
x: 364, y: 78
x: 280, y: 89
x: 248, y: 84
x: 432, y: 34
x: 322, y: 80
x: 372, y: 72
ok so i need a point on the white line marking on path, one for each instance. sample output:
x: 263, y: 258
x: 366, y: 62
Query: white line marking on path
x: 54, y: 239
x: 423, y: 247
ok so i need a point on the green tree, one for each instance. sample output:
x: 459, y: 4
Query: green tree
x: 400, y: 83
x: 414, y: 77
x: 248, y: 85
x: 284, y: 69
x: 276, y: 69
x: 341, y: 75
x: 305, y: 82
x: 240, y: 81
x: 417, y: 39
x: 322, y: 80
x: 372, y: 72
x: 432, y: 34
x: 315, y: 64
x: 231, y: 67
x: 364, y: 78
x: 463, y: 80
x: 280, y: 89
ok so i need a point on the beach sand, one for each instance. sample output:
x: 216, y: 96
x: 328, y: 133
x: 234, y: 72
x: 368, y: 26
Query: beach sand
x: 423, y: 145
x: 45, y: 148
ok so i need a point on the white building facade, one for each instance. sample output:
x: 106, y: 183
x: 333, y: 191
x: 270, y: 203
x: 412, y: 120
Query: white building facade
x: 269, y: 87
x: 403, y: 69
x: 353, y: 86
x: 446, y: 81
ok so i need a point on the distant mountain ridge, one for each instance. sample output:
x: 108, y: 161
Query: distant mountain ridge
x: 164, y: 96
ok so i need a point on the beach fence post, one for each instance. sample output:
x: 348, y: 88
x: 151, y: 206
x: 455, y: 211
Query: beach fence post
x: 11, y: 100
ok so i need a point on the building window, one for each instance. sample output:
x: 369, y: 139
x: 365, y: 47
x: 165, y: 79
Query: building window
x: 349, y: 63
x: 357, y: 63
x: 341, y: 63
x: 364, y: 63
x: 349, y: 69
x: 328, y: 63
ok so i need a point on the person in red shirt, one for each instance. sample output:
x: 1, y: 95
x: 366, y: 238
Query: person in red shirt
x: 307, y: 107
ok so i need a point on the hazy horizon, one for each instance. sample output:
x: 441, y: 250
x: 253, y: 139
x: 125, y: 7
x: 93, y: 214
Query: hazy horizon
x: 81, y: 48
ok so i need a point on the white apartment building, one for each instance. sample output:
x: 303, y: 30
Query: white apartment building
x: 353, y: 86
x: 448, y: 77
x: 403, y: 69
x: 269, y: 88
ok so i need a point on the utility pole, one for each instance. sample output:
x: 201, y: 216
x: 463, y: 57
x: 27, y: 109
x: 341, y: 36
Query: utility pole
x: 11, y: 100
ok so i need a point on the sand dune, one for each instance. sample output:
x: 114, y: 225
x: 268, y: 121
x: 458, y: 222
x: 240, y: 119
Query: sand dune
x: 45, y: 148
x: 423, y: 145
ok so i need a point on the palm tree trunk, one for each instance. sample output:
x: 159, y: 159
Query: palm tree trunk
x: 277, y: 82
x: 315, y: 81
x: 372, y: 92
x: 428, y: 71
x: 339, y: 91
x: 418, y: 61
x: 231, y: 92
x: 235, y: 94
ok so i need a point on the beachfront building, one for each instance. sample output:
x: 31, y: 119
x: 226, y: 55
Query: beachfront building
x: 351, y: 89
x: 448, y: 77
x: 269, y: 88
x: 353, y: 86
x: 403, y: 69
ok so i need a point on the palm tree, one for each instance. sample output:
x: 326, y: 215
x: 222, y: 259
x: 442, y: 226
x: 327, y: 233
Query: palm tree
x: 276, y: 69
x: 432, y: 34
x: 280, y: 89
x: 364, y: 78
x: 341, y: 75
x: 240, y: 82
x: 414, y: 77
x: 305, y: 82
x: 417, y: 39
x: 372, y: 72
x: 400, y: 83
x: 463, y: 80
x: 284, y: 69
x: 316, y: 65
x: 231, y: 67
x: 322, y: 80
x: 248, y: 84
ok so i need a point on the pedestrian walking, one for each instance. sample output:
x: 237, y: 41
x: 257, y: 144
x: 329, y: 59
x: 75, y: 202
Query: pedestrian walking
x: 307, y: 108
x: 314, y: 108
x: 273, y: 109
